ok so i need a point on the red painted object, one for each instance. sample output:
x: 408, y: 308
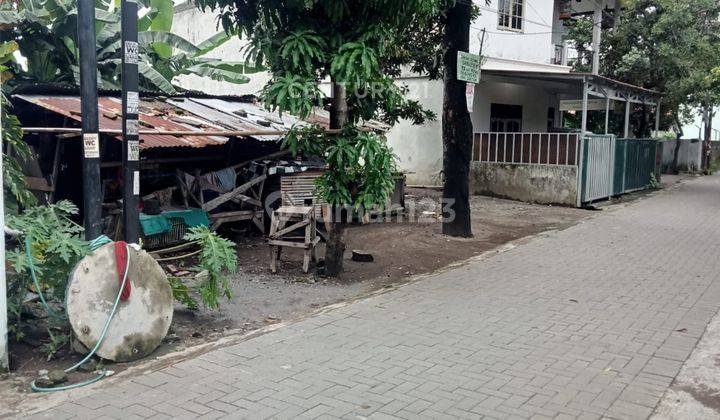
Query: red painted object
x: 121, y: 260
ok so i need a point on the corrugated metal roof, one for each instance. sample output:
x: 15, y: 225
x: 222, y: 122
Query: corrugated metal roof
x: 232, y: 115
x: 175, y: 114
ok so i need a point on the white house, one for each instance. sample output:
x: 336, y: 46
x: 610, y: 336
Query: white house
x: 515, y: 35
x: 521, y: 89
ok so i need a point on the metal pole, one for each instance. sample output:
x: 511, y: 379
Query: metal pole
x: 581, y: 141
x: 583, y: 128
x: 3, y: 285
x: 626, y: 130
x: 657, y: 118
x: 130, y: 102
x: 92, y: 200
x: 607, y: 115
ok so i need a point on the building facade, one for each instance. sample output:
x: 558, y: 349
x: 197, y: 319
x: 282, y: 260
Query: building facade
x: 512, y: 36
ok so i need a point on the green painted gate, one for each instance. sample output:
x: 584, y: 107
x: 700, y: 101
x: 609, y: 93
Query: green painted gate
x: 613, y: 166
x: 640, y: 161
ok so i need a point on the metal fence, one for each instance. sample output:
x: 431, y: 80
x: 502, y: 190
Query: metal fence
x: 598, y: 167
x: 612, y: 166
x: 558, y: 149
x: 608, y: 166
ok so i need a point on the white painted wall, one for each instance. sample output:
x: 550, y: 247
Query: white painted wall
x: 535, y: 102
x: 419, y: 148
x: 533, y: 44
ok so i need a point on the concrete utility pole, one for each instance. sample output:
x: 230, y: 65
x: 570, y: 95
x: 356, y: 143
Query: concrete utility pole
x: 92, y: 200
x: 4, y: 365
x: 596, y: 36
x: 130, y: 104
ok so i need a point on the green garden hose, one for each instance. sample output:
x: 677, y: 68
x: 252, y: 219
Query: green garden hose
x: 95, y: 244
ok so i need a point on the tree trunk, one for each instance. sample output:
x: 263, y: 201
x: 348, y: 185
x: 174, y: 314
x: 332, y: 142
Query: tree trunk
x: 676, y: 152
x: 456, y: 127
x: 707, y: 137
x: 335, y: 247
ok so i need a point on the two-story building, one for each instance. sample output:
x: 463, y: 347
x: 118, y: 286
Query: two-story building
x: 525, y: 87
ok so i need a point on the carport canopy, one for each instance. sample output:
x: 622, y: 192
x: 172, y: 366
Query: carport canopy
x: 588, y: 85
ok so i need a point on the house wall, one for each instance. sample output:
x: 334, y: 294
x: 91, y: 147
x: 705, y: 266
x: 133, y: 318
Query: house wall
x: 535, y: 102
x: 529, y: 183
x: 533, y: 44
x: 419, y: 148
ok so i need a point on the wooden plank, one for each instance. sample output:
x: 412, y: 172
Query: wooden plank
x: 212, y: 204
x: 290, y: 228
x: 294, y: 244
x: 299, y: 210
x: 246, y: 199
x: 35, y: 183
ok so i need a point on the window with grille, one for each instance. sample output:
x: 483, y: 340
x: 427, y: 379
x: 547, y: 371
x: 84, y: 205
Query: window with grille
x: 510, y: 14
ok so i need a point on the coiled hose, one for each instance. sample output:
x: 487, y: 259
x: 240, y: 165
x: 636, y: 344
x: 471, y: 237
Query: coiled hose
x: 94, y: 245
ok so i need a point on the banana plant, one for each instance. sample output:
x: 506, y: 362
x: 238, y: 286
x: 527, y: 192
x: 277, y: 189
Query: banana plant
x: 45, y: 31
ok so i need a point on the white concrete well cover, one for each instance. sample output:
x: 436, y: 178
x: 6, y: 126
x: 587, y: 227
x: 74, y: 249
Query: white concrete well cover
x: 140, y: 323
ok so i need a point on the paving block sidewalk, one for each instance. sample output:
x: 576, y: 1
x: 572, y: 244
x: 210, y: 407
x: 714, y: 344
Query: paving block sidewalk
x: 591, y: 322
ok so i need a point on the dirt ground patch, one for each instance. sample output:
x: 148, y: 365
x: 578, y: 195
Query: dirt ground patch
x: 401, y: 250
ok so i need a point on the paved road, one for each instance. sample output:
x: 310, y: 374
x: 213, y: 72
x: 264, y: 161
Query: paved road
x: 591, y: 322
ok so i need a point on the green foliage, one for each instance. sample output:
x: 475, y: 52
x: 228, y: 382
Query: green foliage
x: 57, y: 245
x: 357, y: 44
x: 46, y: 34
x: 361, y: 164
x: 217, y: 259
x: 292, y: 93
x: 303, y: 42
x: 181, y: 293
x: 579, y: 32
x: 670, y: 46
x: 654, y: 183
x: 56, y: 343
x: 17, y: 195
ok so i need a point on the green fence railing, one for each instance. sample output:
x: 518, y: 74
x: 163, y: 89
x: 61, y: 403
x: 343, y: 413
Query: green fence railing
x: 639, y: 163
x: 613, y: 166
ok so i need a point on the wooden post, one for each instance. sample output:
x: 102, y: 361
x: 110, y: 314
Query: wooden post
x: 130, y: 124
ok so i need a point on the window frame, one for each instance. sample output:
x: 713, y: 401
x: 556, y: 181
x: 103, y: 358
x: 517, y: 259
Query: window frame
x: 510, y: 15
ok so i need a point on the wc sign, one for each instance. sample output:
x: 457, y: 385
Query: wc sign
x: 131, y: 52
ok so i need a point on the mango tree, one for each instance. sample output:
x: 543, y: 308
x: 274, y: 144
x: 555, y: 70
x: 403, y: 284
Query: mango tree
x: 356, y: 46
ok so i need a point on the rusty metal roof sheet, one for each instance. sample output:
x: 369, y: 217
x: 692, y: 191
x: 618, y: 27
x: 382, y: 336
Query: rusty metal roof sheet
x: 175, y: 114
x: 186, y: 113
